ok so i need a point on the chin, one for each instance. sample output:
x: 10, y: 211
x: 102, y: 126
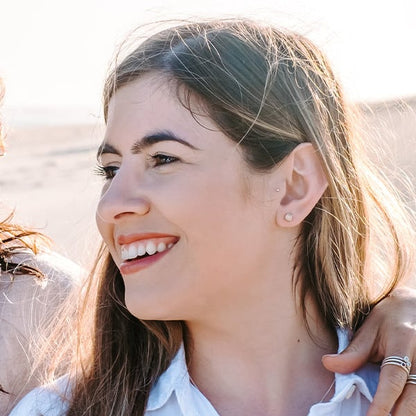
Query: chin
x: 152, y: 311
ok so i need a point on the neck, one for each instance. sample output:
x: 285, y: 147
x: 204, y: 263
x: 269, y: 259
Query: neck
x: 261, y: 360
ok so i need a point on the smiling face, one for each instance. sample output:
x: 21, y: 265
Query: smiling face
x: 185, y: 221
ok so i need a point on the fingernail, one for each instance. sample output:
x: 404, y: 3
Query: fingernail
x: 331, y: 355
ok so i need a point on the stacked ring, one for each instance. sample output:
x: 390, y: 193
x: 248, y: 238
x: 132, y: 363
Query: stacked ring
x: 402, y: 362
x: 411, y: 379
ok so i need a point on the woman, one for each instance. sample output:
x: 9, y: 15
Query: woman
x: 33, y: 282
x: 238, y: 215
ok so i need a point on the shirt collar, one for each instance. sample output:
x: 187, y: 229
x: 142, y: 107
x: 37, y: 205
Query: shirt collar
x: 365, y: 379
x: 176, y: 379
x: 363, y: 382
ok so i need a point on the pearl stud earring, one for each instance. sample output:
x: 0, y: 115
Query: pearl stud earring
x: 288, y: 216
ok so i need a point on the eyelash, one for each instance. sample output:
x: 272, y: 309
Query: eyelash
x: 159, y: 159
x: 108, y: 172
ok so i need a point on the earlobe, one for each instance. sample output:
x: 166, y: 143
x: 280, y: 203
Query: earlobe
x: 304, y: 184
x: 288, y: 217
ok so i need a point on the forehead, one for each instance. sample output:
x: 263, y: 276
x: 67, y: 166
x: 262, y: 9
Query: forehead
x: 151, y: 103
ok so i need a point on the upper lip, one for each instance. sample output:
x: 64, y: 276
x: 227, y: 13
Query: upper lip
x: 130, y: 238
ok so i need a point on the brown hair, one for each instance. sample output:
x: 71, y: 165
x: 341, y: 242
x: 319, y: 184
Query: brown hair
x: 268, y: 90
x: 15, y: 238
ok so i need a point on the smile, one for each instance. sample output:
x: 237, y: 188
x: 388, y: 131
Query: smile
x: 146, y: 248
x: 141, y: 251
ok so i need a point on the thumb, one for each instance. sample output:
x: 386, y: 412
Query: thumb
x: 353, y: 357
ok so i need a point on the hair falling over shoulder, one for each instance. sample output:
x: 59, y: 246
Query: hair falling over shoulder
x: 113, y: 357
x: 268, y: 90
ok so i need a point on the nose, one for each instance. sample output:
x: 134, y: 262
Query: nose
x: 121, y: 198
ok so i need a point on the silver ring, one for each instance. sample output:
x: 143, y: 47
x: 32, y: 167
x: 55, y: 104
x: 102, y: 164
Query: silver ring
x: 402, y: 362
x: 411, y: 379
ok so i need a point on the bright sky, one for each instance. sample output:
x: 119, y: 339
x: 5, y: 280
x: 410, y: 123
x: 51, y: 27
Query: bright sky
x: 55, y: 53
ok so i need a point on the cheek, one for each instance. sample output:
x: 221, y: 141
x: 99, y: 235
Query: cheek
x: 100, y: 223
x: 106, y: 231
x: 214, y: 225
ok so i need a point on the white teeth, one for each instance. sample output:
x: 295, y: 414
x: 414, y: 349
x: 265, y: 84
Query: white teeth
x: 124, y: 253
x: 141, y: 250
x: 132, y: 251
x: 150, y: 248
x: 161, y: 247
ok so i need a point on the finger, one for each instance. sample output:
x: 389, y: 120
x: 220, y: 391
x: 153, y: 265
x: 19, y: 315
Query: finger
x: 390, y: 386
x: 354, y: 356
x: 406, y: 405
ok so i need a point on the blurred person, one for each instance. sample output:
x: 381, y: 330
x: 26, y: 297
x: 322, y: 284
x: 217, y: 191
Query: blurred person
x: 34, y: 281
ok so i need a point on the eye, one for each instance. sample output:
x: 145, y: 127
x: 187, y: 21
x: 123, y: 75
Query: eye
x: 108, y: 172
x: 160, y: 159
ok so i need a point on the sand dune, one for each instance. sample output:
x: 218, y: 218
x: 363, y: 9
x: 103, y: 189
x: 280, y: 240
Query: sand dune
x: 48, y: 177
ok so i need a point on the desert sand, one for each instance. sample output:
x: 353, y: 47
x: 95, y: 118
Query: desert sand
x: 47, y: 176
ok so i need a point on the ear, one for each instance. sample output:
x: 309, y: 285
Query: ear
x: 303, y: 181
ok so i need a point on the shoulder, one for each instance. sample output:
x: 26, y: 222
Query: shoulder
x: 27, y: 305
x: 56, y: 268
x: 25, y: 299
x: 50, y: 400
x: 60, y: 276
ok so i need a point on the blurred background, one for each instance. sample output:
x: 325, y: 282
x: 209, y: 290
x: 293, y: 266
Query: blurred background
x: 54, y: 56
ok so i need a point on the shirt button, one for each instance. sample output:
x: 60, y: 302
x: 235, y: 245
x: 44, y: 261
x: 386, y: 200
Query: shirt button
x: 350, y: 391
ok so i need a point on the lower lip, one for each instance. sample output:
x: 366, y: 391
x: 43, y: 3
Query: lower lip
x: 135, y: 266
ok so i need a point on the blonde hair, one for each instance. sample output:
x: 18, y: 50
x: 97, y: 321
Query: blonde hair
x: 268, y: 90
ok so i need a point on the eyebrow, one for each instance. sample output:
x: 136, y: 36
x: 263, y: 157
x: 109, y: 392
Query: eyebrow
x: 106, y: 148
x: 149, y: 140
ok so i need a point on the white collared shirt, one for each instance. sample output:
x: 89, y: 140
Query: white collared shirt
x: 175, y: 395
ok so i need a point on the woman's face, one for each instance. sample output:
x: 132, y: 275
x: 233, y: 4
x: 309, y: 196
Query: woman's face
x: 185, y: 221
